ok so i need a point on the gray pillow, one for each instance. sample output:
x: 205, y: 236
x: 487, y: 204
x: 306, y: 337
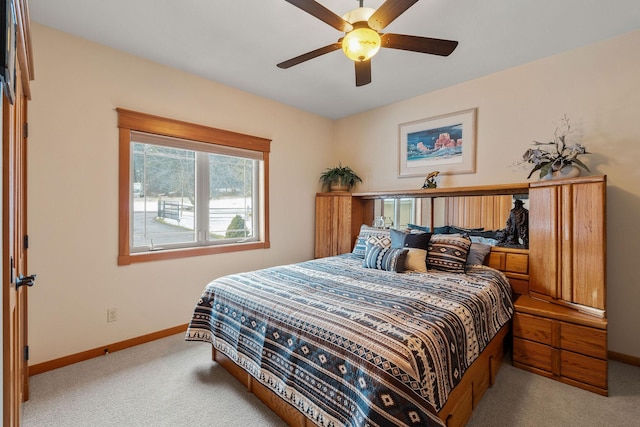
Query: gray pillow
x: 478, y: 253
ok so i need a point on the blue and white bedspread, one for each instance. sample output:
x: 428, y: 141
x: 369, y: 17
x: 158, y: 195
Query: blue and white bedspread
x: 353, y: 346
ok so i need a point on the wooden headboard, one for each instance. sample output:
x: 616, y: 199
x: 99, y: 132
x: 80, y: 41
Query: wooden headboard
x: 484, y: 206
x: 515, y: 265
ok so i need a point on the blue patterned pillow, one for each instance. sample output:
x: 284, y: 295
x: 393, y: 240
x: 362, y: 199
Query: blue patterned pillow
x: 448, y: 252
x: 384, y: 257
x: 377, y: 235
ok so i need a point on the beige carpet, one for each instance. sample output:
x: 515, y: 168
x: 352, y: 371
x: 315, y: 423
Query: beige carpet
x: 171, y: 382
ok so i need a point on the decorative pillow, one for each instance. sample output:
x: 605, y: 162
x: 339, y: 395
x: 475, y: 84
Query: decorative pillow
x: 490, y: 234
x: 478, y: 253
x: 417, y: 240
x: 416, y: 260
x: 448, y: 252
x: 397, y: 238
x: 462, y: 230
x: 413, y: 239
x: 485, y: 240
x: 382, y: 235
x: 383, y: 240
x: 384, y: 258
x: 438, y: 230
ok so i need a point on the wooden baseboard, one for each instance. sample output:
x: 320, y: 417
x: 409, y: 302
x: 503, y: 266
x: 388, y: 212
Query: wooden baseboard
x: 624, y: 358
x: 101, y: 351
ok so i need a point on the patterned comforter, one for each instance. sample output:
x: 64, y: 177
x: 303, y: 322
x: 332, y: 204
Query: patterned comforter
x: 353, y: 346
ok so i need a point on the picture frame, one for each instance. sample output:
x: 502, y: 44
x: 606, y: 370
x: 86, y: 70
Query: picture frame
x: 8, y: 43
x: 445, y: 143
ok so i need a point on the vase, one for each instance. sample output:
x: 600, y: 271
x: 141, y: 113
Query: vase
x: 568, y: 171
x: 378, y: 222
x: 338, y: 188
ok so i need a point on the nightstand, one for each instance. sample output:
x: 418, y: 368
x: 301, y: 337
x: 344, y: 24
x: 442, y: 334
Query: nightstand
x: 560, y: 343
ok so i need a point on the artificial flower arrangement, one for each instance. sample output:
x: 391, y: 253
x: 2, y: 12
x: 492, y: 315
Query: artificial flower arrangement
x: 558, y: 154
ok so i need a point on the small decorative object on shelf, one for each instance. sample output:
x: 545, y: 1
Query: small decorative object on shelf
x: 339, y: 178
x: 430, y: 180
x: 560, y: 159
x: 382, y: 222
x: 516, y: 233
x: 378, y: 222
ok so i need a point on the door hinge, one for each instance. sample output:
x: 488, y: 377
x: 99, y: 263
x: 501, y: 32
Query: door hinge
x: 25, y: 134
x: 26, y: 352
x: 25, y: 241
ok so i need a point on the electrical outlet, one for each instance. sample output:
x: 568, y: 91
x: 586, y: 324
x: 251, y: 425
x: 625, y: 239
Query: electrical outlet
x: 112, y: 314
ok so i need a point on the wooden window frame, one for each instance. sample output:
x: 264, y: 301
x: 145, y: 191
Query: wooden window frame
x: 129, y: 121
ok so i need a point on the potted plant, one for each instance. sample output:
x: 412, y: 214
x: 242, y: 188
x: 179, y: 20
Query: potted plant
x: 560, y: 159
x: 339, y: 178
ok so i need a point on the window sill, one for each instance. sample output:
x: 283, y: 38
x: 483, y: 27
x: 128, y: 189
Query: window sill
x: 189, y: 252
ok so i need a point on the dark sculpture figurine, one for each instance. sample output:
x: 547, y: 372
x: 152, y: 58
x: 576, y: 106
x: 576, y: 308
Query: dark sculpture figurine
x: 517, y: 231
x: 430, y: 180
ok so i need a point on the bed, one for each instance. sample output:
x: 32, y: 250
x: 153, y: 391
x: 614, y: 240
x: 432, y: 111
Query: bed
x: 348, y: 345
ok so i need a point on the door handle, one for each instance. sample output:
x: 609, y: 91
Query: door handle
x: 25, y: 281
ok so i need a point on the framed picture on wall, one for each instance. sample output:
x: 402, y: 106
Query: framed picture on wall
x: 445, y: 143
x: 8, y: 41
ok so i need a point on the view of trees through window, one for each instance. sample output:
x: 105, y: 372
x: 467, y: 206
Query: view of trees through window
x: 398, y: 212
x: 169, y: 185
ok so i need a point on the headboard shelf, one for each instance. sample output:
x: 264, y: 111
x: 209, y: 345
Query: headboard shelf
x: 480, y: 190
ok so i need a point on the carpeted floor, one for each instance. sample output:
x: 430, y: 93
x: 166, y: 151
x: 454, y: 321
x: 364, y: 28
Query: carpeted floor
x: 171, y: 382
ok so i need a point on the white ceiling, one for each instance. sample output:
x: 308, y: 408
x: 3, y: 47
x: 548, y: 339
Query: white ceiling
x: 239, y: 42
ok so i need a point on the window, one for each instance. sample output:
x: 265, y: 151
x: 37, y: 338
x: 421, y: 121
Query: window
x: 189, y: 190
x: 399, y: 212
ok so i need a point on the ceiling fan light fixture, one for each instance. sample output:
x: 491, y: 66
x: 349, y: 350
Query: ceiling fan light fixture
x: 361, y: 44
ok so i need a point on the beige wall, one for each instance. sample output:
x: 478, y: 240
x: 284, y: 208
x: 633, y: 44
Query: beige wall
x: 598, y: 87
x: 72, y: 197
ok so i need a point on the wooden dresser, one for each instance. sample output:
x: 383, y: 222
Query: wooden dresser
x: 560, y: 343
x: 560, y: 328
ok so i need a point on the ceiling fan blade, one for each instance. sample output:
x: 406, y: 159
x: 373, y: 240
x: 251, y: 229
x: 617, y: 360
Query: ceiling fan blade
x: 363, y: 72
x: 322, y: 13
x: 419, y: 44
x: 310, y: 55
x: 388, y: 12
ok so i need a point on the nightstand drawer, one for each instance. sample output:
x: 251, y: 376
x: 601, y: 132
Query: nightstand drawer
x: 585, y: 369
x: 533, y: 354
x: 517, y: 263
x: 519, y: 286
x: 533, y: 328
x: 509, y: 262
x: 584, y: 340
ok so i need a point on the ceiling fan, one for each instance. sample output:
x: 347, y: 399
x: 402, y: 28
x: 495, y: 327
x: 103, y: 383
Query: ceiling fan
x: 363, y: 38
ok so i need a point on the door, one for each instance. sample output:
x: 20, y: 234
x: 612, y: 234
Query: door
x: 544, y: 240
x: 14, y: 247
